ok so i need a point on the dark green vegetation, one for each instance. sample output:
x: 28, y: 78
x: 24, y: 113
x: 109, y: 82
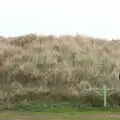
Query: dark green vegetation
x: 58, y: 107
x: 69, y: 68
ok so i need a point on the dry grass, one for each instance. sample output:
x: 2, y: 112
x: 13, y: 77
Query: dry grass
x: 57, y: 66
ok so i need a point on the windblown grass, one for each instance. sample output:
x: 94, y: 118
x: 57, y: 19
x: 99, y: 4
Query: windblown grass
x: 58, y: 68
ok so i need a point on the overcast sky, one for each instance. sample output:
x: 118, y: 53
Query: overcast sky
x: 98, y: 18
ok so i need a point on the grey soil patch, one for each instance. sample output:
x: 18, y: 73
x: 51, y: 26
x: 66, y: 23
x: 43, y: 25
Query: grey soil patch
x: 104, y: 115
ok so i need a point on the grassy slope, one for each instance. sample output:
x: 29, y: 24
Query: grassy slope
x: 46, y: 67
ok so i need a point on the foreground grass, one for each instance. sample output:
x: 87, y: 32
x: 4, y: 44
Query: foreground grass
x: 60, y: 116
x: 58, y: 111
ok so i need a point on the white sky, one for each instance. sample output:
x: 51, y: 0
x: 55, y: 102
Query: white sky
x: 98, y: 18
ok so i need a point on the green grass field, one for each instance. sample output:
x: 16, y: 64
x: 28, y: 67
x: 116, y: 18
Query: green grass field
x: 58, y: 111
x: 60, y: 116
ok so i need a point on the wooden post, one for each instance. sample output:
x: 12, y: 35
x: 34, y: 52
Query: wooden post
x: 105, y: 95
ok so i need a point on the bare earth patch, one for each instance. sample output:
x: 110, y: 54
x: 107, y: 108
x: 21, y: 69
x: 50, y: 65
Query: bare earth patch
x: 114, y: 116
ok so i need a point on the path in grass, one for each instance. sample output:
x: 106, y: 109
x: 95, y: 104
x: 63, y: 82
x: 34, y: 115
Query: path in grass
x: 60, y: 116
